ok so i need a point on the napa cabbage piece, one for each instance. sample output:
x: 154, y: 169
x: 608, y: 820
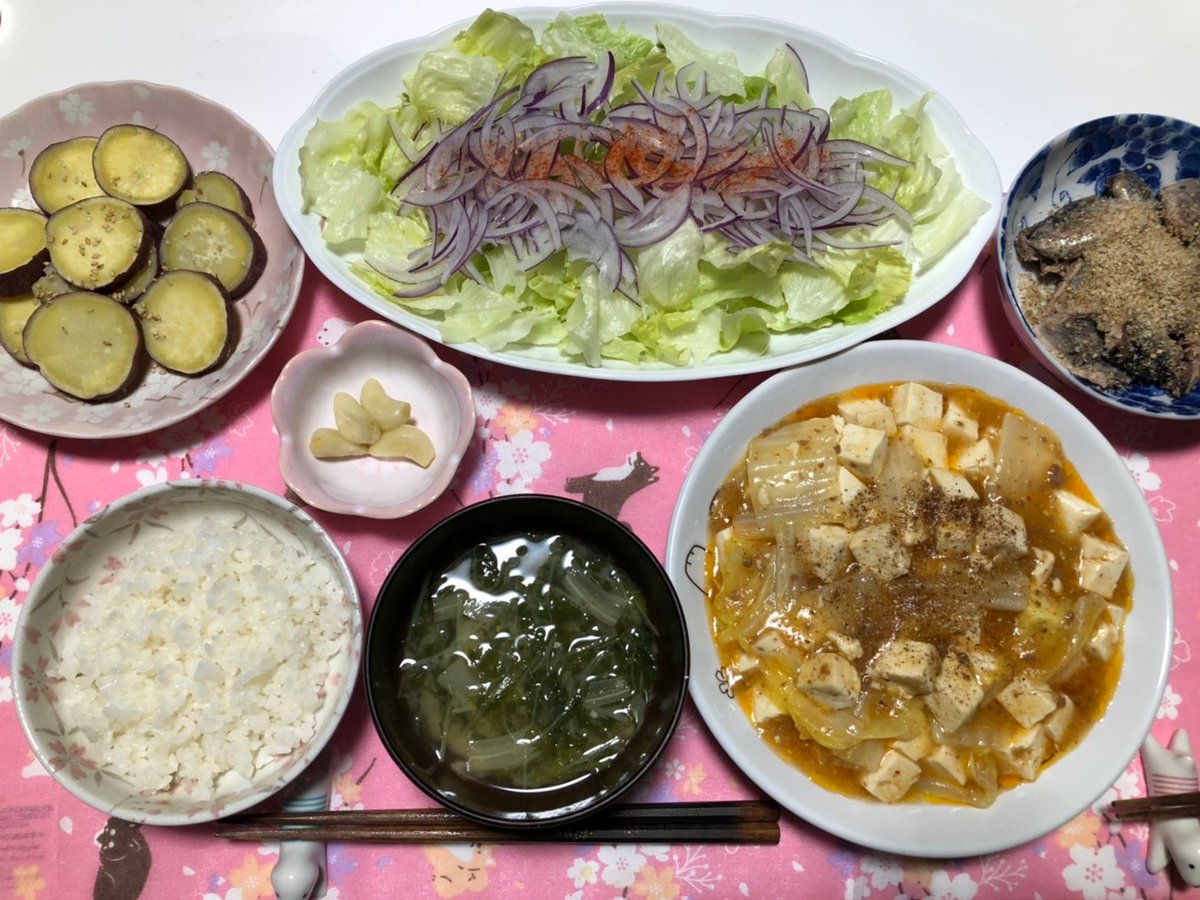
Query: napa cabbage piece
x: 1023, y: 459
x: 792, y: 472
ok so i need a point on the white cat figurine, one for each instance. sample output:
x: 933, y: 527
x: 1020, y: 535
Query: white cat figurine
x: 1172, y: 771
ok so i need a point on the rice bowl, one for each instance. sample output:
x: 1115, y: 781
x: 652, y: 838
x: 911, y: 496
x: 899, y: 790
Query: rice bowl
x: 150, y: 691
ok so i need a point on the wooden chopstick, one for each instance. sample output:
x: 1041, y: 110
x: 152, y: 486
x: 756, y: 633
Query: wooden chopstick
x: 699, y: 812
x: 719, y: 822
x: 1159, y: 806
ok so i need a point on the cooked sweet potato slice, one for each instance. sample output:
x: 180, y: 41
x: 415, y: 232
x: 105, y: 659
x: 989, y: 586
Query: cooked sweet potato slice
x: 50, y: 285
x: 218, y: 188
x: 85, y: 344
x: 62, y: 173
x: 136, y: 286
x: 23, y: 251
x: 208, y: 238
x: 140, y: 166
x: 14, y: 313
x: 98, y: 243
x: 186, y: 321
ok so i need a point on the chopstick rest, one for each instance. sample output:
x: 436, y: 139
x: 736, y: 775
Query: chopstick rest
x: 1172, y: 807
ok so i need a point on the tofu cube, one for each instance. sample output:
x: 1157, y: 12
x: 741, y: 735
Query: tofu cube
x: 957, y: 694
x: 868, y: 413
x: 1028, y: 700
x: 1105, y: 639
x: 828, y: 549
x: 1023, y: 757
x: 1074, y: 512
x: 915, y: 748
x: 849, y: 647
x: 915, y: 404
x: 743, y: 663
x: 912, y: 531
x: 1043, y: 565
x: 770, y: 641
x: 862, y: 450
x: 830, y: 679
x: 959, y: 426
x: 877, y: 549
x: 1103, y: 642
x: 977, y: 459
x: 930, y: 445
x: 1000, y: 532
x: 952, y: 485
x: 954, y: 529
x: 1101, y: 565
x: 947, y: 762
x: 1057, y: 722
x: 911, y: 665
x: 851, y: 488
x: 763, y: 708
x: 954, y: 536
x: 892, y: 780
x: 988, y: 668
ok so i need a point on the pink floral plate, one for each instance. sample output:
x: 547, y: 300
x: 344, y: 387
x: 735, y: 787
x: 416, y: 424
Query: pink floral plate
x: 213, y: 138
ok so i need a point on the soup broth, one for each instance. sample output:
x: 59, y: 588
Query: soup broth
x: 914, y: 595
x: 529, y: 663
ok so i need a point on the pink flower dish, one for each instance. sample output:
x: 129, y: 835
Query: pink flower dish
x: 408, y: 370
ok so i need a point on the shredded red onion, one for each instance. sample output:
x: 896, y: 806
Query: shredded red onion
x: 551, y: 166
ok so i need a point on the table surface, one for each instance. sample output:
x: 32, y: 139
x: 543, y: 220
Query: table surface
x: 1019, y: 72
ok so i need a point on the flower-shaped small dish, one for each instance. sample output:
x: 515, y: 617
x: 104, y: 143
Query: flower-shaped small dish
x: 1078, y: 164
x: 212, y: 137
x: 144, y: 680
x: 408, y: 370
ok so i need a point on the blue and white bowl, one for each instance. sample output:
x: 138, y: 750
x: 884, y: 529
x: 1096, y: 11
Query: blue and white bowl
x: 1077, y: 164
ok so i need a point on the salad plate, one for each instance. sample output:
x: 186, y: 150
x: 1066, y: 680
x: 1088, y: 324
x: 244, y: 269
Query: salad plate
x: 212, y: 137
x: 1065, y: 786
x: 833, y: 71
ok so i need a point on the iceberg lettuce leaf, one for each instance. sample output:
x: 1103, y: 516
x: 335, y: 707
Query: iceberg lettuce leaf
x: 720, y: 67
x: 591, y: 35
x: 448, y: 85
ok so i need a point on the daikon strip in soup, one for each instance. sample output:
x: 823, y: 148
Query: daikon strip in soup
x: 914, y: 595
x: 529, y: 663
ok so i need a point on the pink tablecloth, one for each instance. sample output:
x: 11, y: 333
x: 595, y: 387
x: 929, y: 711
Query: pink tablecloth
x: 535, y: 433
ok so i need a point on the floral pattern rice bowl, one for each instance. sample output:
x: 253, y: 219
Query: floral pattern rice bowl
x: 148, y: 684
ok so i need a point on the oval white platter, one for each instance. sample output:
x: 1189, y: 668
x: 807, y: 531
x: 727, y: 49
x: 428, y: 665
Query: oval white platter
x: 834, y: 71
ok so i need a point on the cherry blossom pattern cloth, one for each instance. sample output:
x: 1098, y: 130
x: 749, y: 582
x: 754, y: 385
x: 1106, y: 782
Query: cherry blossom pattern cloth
x: 538, y: 433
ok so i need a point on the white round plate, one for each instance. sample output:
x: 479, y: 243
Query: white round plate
x: 834, y: 70
x: 212, y: 137
x: 1066, y: 787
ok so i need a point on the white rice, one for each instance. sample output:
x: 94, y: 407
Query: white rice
x: 205, y: 662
